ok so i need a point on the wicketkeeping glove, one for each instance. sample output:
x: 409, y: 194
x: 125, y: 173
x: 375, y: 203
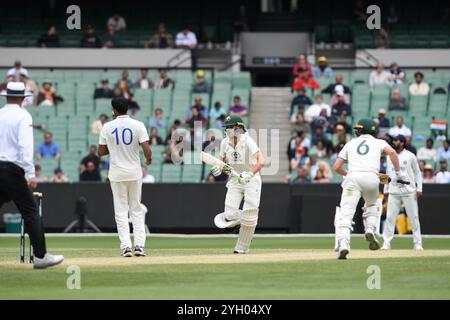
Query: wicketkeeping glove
x: 215, y: 171
x: 245, y: 177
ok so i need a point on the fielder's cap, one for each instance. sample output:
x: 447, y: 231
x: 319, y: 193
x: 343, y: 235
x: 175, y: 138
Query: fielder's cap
x: 428, y: 167
x: 233, y: 120
x: 339, y: 90
x: 366, y: 125
x: 382, y: 111
x: 400, y: 138
x: 322, y: 59
x: 15, y: 89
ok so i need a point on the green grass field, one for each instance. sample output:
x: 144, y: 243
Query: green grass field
x: 205, y: 268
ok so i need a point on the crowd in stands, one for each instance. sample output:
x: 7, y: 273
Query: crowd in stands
x: 321, y: 128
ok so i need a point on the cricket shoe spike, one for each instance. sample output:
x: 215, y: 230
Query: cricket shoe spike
x: 386, y: 246
x: 418, y: 247
x: 343, y: 250
x: 139, y: 251
x: 373, y: 242
x: 48, y: 260
x: 126, y: 253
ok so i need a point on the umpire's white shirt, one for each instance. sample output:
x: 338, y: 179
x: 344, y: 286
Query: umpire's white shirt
x: 408, y: 167
x: 122, y: 136
x: 16, y: 137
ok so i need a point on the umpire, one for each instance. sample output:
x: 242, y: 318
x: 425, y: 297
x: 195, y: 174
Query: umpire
x: 17, y: 170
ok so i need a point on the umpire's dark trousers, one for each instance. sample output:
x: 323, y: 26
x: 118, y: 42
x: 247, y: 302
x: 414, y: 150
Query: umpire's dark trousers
x: 14, y: 186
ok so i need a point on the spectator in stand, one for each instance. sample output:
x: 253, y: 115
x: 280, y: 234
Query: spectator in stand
x: 427, y: 152
x: 147, y: 178
x: 400, y: 128
x: 109, y: 39
x: 97, y: 125
x: 320, y: 150
x: 321, y: 121
x: 117, y: 22
x: 428, y: 174
x: 105, y: 91
x: 443, y: 175
x: 220, y: 121
x: 300, y: 140
x: 5, y: 84
x: 397, y: 102
x: 341, y: 138
x: 319, y: 134
x: 16, y: 71
x: 91, y: 173
x: 122, y: 90
x: 314, y: 111
x: 379, y: 76
x: 382, y: 121
x: 91, y: 157
x: 322, y: 70
x: 155, y: 139
x: 48, y: 96
x: 186, y: 39
x: 339, y: 81
x: 30, y: 86
x: 49, y: 148
x: 164, y: 82
x: 339, y: 91
x: 134, y: 106
x: 382, y: 40
x: 238, y: 108
x: 90, y: 39
x: 158, y: 121
x: 38, y: 174
x: 341, y: 107
x: 201, y: 85
x: 300, y: 99
x: 144, y: 81
x: 409, y: 146
x: 299, y: 123
x: 217, y: 111
x: 59, y: 176
x: 196, y: 116
x: 396, y: 75
x: 125, y: 76
x: 161, y: 39
x: 419, y: 88
x: 302, y: 72
x: 322, y: 174
x: 198, y: 103
x: 50, y: 39
x: 340, y: 121
x: 300, y: 158
x: 443, y: 153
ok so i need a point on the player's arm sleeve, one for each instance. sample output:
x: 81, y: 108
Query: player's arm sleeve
x: 26, y: 145
x: 252, y: 146
x: 344, y: 152
x: 143, y: 134
x: 417, y: 173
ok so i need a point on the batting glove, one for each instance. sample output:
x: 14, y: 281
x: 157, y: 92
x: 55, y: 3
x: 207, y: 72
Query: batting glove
x: 401, y: 179
x: 245, y: 177
x: 215, y: 171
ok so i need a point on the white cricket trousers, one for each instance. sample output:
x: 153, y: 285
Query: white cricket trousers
x: 393, y: 209
x: 127, y: 199
x: 251, y: 193
x: 355, y: 186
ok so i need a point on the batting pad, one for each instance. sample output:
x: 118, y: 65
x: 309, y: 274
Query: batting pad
x: 249, y: 221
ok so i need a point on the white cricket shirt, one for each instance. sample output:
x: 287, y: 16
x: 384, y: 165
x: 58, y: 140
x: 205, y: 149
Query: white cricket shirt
x: 363, y: 153
x: 123, y: 136
x: 409, y: 167
x: 243, y: 156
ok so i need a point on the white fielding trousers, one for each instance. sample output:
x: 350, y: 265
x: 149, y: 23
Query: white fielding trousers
x: 127, y: 199
x: 393, y: 209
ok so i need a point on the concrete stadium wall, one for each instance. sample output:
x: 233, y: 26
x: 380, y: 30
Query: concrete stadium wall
x: 95, y: 58
x: 190, y: 208
x: 416, y: 58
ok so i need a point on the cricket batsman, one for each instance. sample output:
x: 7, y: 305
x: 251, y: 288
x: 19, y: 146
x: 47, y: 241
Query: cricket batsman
x: 121, y: 139
x: 406, y: 194
x: 362, y: 155
x: 240, y: 152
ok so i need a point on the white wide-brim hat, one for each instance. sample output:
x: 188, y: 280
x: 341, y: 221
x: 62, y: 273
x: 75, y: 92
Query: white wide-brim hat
x: 15, y: 89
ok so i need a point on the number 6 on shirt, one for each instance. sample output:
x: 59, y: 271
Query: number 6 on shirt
x: 130, y: 136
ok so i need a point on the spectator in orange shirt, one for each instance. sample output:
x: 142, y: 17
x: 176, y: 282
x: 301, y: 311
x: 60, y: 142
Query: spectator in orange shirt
x: 303, y: 74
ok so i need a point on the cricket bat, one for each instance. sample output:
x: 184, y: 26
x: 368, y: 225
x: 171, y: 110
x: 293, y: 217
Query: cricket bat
x: 213, y: 161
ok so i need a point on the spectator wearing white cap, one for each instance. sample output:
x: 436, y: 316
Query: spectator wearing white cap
x: 400, y: 128
x: 341, y: 106
x: 339, y: 90
x: 16, y: 70
x: 322, y: 70
x: 379, y: 76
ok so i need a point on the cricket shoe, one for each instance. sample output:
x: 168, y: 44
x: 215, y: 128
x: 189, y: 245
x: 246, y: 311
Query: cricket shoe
x: 343, y: 250
x: 47, y: 261
x: 238, y: 251
x: 418, y: 247
x: 221, y: 222
x: 373, y: 242
x: 126, y: 252
x: 386, y: 246
x: 139, y: 251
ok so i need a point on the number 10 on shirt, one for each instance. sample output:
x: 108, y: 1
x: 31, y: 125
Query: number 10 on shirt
x: 127, y: 139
